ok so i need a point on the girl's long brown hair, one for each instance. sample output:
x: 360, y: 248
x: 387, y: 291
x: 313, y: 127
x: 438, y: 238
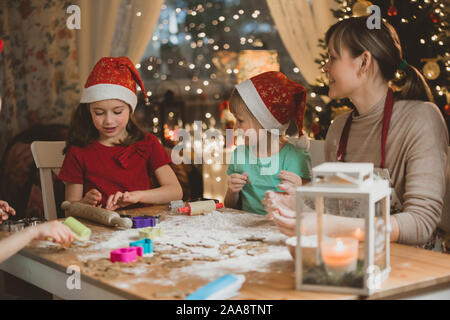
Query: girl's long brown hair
x: 384, y: 45
x: 82, y: 131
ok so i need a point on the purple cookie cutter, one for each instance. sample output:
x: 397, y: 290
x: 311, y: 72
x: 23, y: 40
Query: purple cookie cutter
x: 126, y: 254
x: 143, y: 222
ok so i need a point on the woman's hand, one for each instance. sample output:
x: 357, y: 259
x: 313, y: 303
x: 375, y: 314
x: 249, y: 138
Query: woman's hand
x: 93, y: 197
x: 122, y: 199
x: 55, y: 230
x: 281, y: 208
x: 285, y: 220
x: 274, y: 199
x: 5, y: 211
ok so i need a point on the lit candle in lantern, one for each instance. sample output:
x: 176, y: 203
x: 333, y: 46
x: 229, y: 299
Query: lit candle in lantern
x: 340, y: 254
x: 358, y: 234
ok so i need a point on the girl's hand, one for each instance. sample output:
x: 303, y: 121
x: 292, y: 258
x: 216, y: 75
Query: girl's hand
x: 93, y: 197
x: 5, y: 211
x: 55, y: 230
x: 122, y: 199
x: 237, y: 181
x: 289, y: 181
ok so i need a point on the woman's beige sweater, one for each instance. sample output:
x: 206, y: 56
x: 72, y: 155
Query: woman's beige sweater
x: 416, y: 157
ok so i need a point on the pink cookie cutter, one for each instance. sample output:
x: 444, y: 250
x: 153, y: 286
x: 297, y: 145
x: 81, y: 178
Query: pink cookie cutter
x: 126, y: 254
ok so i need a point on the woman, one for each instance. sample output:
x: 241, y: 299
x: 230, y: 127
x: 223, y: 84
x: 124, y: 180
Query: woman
x: 395, y: 126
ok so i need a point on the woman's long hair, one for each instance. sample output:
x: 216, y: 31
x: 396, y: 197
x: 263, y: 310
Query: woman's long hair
x: 82, y: 131
x: 384, y: 45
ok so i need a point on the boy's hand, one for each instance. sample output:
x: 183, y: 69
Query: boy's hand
x: 5, y: 211
x: 289, y: 181
x: 237, y: 181
x: 55, y: 230
x: 93, y: 197
x: 122, y: 199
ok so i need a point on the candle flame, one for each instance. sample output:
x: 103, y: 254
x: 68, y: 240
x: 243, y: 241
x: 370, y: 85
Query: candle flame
x: 358, y: 234
x: 339, y: 246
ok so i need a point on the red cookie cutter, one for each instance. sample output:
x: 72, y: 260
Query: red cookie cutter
x: 126, y: 254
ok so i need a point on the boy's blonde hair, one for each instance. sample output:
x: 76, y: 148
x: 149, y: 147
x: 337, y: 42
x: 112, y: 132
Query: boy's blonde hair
x: 238, y: 106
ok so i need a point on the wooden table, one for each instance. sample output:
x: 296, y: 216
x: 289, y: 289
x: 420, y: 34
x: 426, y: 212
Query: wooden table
x: 416, y: 273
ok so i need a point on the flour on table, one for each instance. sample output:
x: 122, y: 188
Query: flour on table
x: 208, y: 246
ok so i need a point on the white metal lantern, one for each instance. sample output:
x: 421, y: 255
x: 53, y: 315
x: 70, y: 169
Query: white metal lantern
x: 346, y: 211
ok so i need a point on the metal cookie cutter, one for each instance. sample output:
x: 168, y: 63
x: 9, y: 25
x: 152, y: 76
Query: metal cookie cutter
x: 150, y: 233
x: 146, y: 244
x: 19, y: 225
x: 34, y: 221
x: 13, y: 226
x: 175, y: 204
x: 126, y: 254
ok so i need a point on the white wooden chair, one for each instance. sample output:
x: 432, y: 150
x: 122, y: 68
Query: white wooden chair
x: 317, y: 152
x: 48, y: 158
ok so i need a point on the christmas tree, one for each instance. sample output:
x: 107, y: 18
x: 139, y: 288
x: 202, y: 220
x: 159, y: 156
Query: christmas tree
x: 421, y: 26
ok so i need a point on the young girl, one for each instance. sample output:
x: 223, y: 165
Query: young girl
x: 395, y: 126
x: 109, y: 161
x: 266, y: 102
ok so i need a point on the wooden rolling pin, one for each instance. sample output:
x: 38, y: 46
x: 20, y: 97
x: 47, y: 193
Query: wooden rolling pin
x: 100, y: 215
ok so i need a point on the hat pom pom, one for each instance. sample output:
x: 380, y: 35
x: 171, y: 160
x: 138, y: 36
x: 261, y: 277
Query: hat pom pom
x: 302, y: 142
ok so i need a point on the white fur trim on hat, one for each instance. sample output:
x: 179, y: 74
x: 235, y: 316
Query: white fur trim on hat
x: 258, y: 108
x: 105, y: 91
x: 302, y: 142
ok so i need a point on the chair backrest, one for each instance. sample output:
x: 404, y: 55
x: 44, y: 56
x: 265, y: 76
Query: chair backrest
x: 317, y: 152
x: 48, y: 157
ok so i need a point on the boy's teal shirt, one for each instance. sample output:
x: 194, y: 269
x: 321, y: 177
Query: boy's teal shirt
x: 290, y: 158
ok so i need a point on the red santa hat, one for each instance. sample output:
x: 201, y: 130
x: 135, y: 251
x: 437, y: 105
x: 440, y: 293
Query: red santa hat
x: 274, y: 99
x: 113, y: 78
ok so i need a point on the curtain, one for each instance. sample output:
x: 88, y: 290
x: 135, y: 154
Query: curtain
x: 94, y: 38
x: 133, y: 33
x: 38, y: 69
x: 114, y: 28
x: 301, y: 24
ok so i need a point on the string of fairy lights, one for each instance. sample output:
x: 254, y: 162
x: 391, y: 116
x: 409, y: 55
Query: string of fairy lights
x: 205, y: 32
x: 205, y: 29
x: 197, y: 36
x: 201, y: 31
